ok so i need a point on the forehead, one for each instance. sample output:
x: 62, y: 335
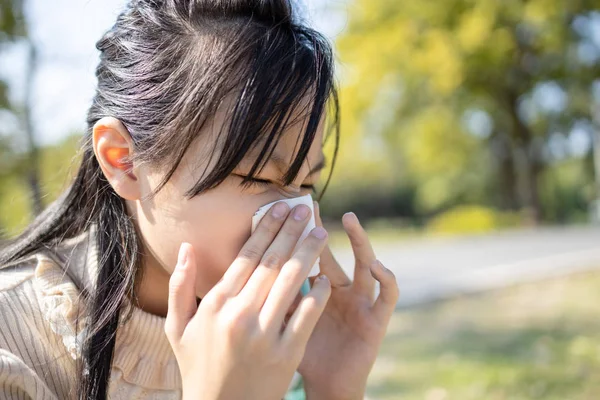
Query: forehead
x: 203, y: 152
x: 289, y: 143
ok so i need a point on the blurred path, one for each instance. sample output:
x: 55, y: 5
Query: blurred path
x: 430, y: 269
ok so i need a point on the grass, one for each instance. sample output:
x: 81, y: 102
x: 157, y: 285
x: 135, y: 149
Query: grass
x: 531, y: 341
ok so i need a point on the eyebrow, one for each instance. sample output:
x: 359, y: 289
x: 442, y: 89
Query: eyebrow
x: 281, y: 164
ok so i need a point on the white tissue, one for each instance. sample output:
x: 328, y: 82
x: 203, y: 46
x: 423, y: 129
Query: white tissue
x: 307, y: 199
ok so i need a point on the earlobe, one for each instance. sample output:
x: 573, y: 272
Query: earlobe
x: 112, y: 145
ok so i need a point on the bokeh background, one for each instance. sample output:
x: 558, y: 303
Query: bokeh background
x: 469, y: 150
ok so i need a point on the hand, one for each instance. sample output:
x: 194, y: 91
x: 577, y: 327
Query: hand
x: 344, y: 345
x: 234, y: 344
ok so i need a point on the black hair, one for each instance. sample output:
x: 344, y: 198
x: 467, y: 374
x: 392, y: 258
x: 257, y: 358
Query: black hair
x: 166, y: 67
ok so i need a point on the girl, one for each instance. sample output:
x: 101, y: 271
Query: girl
x: 143, y: 279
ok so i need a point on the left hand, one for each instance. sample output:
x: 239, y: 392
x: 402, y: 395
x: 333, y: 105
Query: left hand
x: 345, y: 342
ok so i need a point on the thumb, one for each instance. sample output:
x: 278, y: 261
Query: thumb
x: 182, y: 293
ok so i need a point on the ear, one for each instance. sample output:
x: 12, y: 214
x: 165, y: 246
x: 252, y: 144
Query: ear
x: 112, y: 146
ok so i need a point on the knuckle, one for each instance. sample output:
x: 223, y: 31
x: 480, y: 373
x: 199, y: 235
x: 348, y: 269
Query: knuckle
x: 259, y: 342
x: 396, y: 291
x: 314, y: 243
x: 250, y: 253
x: 176, y: 284
x: 272, y: 260
x: 389, y: 273
x: 312, y: 304
x: 170, y: 332
x: 238, y: 313
x: 293, y: 228
x: 294, y: 353
x: 214, y: 300
x: 237, y: 325
x: 289, y: 235
x: 272, y: 227
x: 292, y: 350
x: 282, y: 358
x: 294, y: 265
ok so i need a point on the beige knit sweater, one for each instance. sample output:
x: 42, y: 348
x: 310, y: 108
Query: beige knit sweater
x: 39, y: 307
x: 39, y: 304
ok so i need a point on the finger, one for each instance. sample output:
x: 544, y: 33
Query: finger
x: 253, y: 250
x: 182, y: 293
x: 328, y: 264
x: 389, y: 292
x: 290, y: 279
x: 291, y: 310
x: 302, y: 323
x: 364, y: 255
x: 260, y: 282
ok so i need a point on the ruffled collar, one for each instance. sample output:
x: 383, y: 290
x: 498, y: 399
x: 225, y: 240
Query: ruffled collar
x: 143, y: 355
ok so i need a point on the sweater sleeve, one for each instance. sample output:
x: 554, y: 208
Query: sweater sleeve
x: 19, y: 381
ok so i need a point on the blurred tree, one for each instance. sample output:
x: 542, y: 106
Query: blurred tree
x: 58, y: 166
x: 13, y: 30
x: 465, y: 94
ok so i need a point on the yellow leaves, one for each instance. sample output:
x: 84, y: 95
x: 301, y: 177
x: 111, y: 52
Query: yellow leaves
x: 433, y: 193
x: 467, y: 219
x: 539, y: 12
x: 15, y: 206
x: 436, y: 142
x: 475, y: 26
x: 503, y: 43
x: 354, y: 165
x: 439, y: 59
x: 437, y: 152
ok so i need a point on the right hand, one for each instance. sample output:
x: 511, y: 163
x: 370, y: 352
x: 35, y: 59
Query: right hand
x: 236, y: 344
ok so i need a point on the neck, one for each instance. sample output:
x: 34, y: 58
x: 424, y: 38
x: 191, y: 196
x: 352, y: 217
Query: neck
x: 153, y: 290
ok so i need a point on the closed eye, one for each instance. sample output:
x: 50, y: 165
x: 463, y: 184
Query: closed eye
x: 264, y: 183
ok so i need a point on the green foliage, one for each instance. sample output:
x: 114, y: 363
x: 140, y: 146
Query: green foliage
x: 15, y: 206
x: 414, y: 73
x: 58, y: 165
x: 568, y: 189
x: 12, y: 27
x: 12, y: 20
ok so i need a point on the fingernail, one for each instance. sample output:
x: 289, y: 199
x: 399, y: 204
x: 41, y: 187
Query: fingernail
x: 279, y: 210
x: 323, y: 278
x: 352, y: 216
x: 319, y: 232
x: 182, y: 257
x: 300, y: 213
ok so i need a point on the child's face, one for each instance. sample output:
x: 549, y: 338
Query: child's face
x: 217, y: 222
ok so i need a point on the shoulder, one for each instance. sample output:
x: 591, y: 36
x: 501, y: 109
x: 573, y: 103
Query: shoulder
x: 39, y: 302
x: 34, y: 278
x: 16, y: 294
x: 14, y: 274
x: 34, y: 352
x: 45, y: 291
x: 19, y: 300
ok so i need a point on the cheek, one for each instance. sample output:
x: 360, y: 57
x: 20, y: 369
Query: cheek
x: 217, y: 238
x: 217, y: 224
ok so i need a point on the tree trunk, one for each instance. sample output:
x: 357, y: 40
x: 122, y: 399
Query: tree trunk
x: 528, y: 161
x: 506, y: 171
